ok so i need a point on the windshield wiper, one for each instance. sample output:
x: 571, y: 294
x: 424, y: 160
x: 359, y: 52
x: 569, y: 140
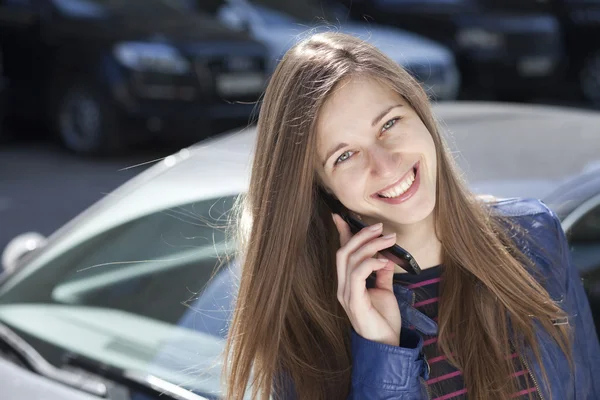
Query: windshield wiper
x: 38, y: 364
x: 85, y: 382
x: 133, y: 378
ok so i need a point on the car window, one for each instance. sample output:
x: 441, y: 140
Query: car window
x: 584, y: 238
x: 149, y: 266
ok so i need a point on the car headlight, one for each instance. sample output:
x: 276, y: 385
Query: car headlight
x: 155, y: 57
x: 479, y: 38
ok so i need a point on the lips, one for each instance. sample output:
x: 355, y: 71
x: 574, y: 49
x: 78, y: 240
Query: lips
x: 399, y: 187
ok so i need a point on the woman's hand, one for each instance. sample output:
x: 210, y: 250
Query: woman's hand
x: 374, y: 313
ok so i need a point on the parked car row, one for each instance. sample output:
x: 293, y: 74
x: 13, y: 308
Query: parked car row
x: 105, y: 74
x: 514, y: 48
x: 98, y: 309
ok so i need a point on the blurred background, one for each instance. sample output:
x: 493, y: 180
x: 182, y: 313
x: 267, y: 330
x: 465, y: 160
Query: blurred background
x: 94, y: 93
x: 91, y: 87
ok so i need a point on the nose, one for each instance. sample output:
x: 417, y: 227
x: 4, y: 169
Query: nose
x: 383, y: 163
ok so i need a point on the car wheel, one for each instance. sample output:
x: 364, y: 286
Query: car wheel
x: 86, y: 121
x: 589, y: 78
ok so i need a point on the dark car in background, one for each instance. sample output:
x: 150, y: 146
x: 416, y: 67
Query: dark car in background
x: 106, y: 73
x: 580, y: 26
x: 3, y: 84
x: 508, y: 53
x: 580, y: 22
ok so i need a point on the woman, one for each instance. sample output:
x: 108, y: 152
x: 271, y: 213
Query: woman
x: 498, y: 311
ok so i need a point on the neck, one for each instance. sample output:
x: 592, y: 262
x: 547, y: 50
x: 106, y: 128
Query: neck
x: 420, y: 240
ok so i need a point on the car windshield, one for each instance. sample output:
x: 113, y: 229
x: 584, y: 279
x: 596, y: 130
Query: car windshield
x: 138, y: 296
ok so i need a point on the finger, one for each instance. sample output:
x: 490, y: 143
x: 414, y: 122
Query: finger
x: 356, y: 295
x: 341, y: 259
x: 385, y: 277
x: 343, y: 229
x: 367, y: 251
x: 370, y: 248
x: 361, y: 238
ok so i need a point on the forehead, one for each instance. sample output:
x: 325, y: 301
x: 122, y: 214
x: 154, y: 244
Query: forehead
x: 352, y: 106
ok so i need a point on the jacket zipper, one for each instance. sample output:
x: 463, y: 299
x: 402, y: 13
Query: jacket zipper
x: 427, y: 389
x: 532, y: 376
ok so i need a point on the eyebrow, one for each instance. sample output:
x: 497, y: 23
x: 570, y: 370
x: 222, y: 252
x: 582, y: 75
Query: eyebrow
x: 383, y: 113
x: 375, y: 121
x: 334, y: 150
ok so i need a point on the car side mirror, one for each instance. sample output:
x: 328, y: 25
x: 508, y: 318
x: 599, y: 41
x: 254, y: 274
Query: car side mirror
x: 19, y: 247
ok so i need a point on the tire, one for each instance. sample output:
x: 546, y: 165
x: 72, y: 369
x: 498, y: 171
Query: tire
x: 85, y: 120
x: 589, y: 78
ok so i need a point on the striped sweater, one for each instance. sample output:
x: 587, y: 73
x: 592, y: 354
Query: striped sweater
x: 445, y: 381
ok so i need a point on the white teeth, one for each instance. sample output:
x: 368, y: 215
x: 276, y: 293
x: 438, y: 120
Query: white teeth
x: 401, y: 187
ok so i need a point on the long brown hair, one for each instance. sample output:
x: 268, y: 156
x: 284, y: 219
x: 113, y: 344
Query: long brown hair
x: 288, y: 321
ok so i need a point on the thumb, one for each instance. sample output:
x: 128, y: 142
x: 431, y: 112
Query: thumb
x: 385, y: 277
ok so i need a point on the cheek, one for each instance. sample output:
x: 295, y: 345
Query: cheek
x: 432, y: 159
x: 350, y: 190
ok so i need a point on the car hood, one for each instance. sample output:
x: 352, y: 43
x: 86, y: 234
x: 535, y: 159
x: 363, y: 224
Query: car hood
x: 112, y: 337
x: 137, y: 20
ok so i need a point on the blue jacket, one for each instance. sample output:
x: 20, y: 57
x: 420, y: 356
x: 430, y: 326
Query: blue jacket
x: 382, y: 371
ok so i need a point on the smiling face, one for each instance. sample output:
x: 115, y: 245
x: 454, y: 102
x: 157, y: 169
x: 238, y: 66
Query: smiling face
x: 375, y: 154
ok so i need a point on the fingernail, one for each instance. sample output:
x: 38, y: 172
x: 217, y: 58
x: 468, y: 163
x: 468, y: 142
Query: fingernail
x: 376, y: 227
x: 390, y: 236
x: 383, y: 260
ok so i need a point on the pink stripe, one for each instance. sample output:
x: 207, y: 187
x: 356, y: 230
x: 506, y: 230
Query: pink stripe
x: 429, y: 341
x: 451, y: 395
x: 523, y: 392
x: 424, y: 283
x: 513, y: 355
x: 428, y: 301
x: 444, y: 377
x: 436, y: 359
x: 519, y: 373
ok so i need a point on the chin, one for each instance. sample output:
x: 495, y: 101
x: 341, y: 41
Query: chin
x: 413, y: 211
x: 418, y: 213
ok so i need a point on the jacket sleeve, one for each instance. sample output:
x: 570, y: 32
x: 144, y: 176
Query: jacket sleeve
x: 586, y: 348
x: 380, y: 371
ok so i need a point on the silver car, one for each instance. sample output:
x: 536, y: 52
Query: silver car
x: 128, y: 297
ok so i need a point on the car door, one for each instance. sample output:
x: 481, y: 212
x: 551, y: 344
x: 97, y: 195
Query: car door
x: 584, y: 239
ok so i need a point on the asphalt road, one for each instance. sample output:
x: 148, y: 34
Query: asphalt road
x: 42, y: 186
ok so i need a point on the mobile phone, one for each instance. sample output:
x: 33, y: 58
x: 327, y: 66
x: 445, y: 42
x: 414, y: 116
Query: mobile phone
x: 395, y: 253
